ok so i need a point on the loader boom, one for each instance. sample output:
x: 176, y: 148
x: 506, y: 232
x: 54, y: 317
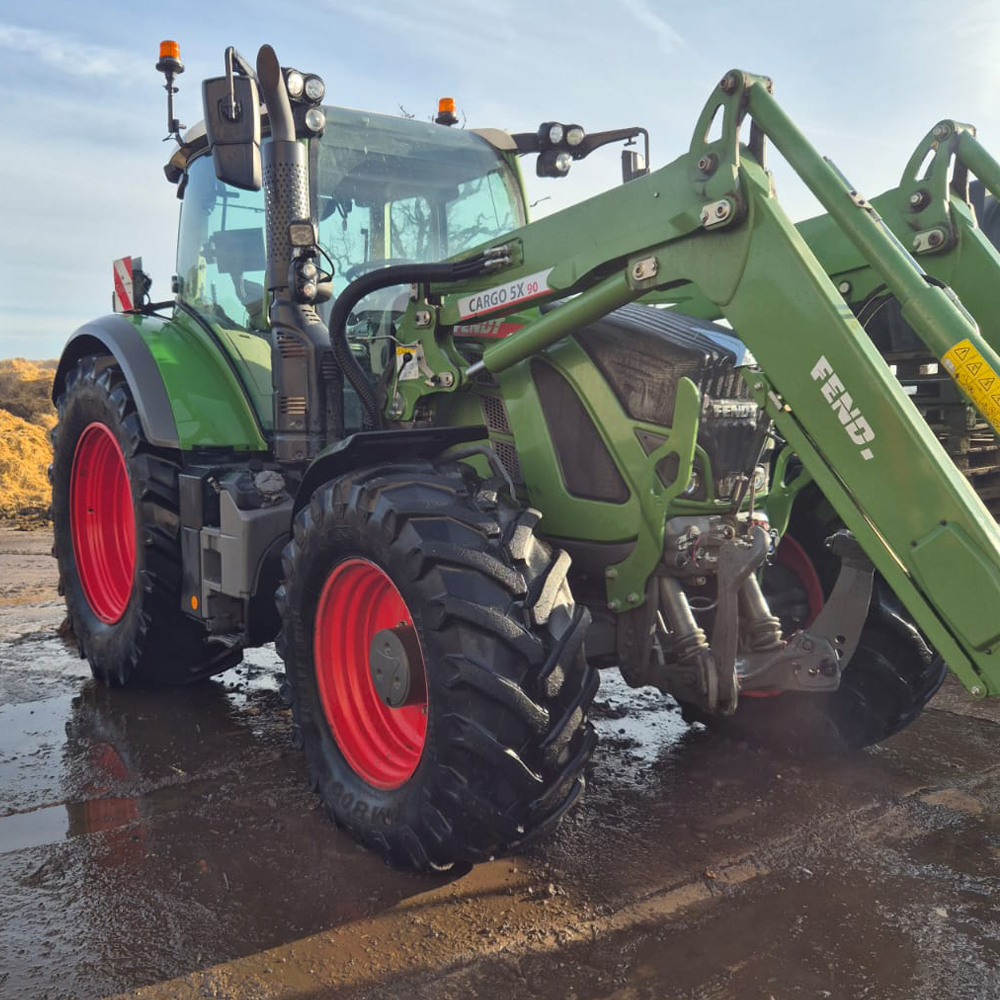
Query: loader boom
x: 710, y: 220
x: 930, y: 212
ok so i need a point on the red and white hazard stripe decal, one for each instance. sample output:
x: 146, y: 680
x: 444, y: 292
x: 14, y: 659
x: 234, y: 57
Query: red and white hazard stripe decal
x: 123, y: 283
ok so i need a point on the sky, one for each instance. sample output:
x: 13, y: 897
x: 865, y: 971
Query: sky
x: 83, y: 111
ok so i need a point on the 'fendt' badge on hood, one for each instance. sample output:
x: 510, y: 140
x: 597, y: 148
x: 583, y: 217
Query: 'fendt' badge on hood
x: 858, y: 429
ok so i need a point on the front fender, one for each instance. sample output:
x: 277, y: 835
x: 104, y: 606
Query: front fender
x: 374, y: 447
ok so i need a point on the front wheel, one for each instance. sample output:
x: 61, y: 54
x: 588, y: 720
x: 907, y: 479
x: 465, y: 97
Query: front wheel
x: 435, y: 663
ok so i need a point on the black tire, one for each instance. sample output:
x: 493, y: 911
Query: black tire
x: 889, y: 680
x: 153, y: 641
x: 508, y: 685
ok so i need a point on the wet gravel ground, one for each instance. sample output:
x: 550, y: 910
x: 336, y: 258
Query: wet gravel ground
x: 165, y: 845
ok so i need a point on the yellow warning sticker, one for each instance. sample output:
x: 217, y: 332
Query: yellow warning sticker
x: 975, y: 375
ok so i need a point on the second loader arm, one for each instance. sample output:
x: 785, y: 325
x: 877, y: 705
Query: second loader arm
x: 931, y: 213
x: 710, y: 221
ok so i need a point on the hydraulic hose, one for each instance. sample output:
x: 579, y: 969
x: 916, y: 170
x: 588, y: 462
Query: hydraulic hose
x: 385, y: 277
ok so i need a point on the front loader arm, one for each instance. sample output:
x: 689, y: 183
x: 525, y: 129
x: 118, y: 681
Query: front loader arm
x: 931, y: 214
x: 710, y: 220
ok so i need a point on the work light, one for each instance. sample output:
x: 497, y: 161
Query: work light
x: 315, y: 88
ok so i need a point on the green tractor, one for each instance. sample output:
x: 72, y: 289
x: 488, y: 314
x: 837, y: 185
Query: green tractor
x: 455, y: 462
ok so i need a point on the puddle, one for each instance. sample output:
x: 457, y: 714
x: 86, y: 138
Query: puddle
x: 70, y: 761
x: 644, y: 723
x: 47, y: 825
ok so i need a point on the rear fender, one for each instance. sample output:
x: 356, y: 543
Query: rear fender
x: 116, y: 336
x: 186, y: 391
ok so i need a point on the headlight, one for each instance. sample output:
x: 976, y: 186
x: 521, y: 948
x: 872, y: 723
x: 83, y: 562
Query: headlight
x: 556, y: 133
x: 294, y: 82
x: 575, y: 136
x: 315, y: 120
x: 315, y: 88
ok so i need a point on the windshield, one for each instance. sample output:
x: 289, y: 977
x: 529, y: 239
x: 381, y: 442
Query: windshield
x: 401, y: 190
x: 384, y: 189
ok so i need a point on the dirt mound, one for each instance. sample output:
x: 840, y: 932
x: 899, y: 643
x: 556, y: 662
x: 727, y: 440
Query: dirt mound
x: 25, y: 390
x: 26, y: 416
x: 25, y: 454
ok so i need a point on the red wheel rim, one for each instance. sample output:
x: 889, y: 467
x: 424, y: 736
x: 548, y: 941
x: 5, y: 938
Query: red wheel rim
x: 792, y: 556
x: 383, y: 745
x: 102, y: 522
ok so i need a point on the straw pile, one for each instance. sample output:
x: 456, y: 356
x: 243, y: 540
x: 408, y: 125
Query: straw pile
x: 26, y: 416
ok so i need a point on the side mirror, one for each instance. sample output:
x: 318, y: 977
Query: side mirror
x: 232, y: 121
x: 633, y: 165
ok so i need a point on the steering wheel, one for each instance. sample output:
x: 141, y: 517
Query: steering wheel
x: 371, y: 265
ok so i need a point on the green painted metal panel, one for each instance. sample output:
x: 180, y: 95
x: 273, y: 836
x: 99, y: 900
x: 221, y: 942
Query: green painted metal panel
x: 948, y: 553
x: 642, y: 515
x: 250, y: 353
x: 210, y: 405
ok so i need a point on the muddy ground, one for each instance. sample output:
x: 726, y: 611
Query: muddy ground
x: 166, y: 845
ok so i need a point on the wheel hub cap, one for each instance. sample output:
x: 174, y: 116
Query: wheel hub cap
x: 361, y: 613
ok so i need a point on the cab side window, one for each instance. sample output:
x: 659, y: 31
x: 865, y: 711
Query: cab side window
x: 220, y: 251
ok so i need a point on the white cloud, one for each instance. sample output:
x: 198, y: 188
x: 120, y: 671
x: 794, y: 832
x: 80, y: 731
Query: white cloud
x: 668, y: 39
x: 71, y: 56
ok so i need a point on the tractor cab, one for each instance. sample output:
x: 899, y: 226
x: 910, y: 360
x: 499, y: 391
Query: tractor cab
x: 384, y: 191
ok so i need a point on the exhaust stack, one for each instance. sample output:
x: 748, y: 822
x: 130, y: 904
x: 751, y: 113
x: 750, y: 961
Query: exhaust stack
x: 299, y: 339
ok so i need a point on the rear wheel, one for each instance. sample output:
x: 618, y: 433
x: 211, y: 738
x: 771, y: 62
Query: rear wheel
x: 117, y: 537
x: 890, y: 678
x: 432, y: 577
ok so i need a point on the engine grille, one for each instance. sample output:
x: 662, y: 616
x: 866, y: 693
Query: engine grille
x: 642, y: 352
